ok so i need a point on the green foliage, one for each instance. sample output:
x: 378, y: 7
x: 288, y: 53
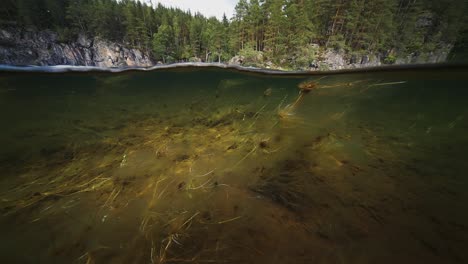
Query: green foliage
x: 194, y: 59
x: 337, y: 42
x: 304, y: 56
x: 8, y: 11
x: 161, y: 42
x: 459, y: 53
x: 324, y: 67
x: 390, y: 59
x: 65, y: 35
x: 281, y: 30
x: 251, y: 56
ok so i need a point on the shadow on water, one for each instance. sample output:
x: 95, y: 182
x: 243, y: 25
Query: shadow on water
x: 216, y: 166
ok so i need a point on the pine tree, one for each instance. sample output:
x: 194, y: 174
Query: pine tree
x: 162, y: 41
x: 77, y: 15
x: 275, y: 35
x: 254, y: 24
x: 241, y: 12
x: 8, y: 11
x: 284, y: 30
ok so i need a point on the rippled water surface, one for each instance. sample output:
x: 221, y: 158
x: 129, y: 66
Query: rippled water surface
x: 217, y: 166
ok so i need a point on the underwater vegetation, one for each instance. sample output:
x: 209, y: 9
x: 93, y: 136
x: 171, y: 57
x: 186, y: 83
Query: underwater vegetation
x: 215, y: 166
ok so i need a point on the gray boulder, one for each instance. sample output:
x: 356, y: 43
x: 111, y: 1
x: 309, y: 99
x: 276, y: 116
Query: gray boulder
x: 236, y: 60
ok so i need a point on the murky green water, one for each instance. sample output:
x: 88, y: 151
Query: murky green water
x: 213, y: 166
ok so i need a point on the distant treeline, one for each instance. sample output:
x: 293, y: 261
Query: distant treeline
x: 283, y: 31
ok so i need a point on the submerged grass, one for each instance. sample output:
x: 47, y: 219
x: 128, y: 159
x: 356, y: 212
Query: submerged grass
x: 243, y: 172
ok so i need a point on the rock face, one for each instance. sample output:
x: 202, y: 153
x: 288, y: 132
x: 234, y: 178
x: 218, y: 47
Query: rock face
x: 431, y: 57
x: 334, y: 60
x: 236, y: 60
x: 28, y: 47
x: 330, y: 59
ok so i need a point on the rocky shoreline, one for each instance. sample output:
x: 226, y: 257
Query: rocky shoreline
x: 332, y: 60
x: 44, y: 48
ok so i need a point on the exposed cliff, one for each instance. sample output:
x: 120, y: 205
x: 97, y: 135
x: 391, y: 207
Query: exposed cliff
x: 29, y: 47
x: 336, y: 60
x: 330, y: 59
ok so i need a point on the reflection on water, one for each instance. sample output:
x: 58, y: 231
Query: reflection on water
x: 214, y: 166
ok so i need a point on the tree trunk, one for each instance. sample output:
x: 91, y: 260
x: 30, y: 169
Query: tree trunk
x: 334, y: 24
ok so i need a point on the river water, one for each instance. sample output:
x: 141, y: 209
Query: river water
x: 207, y: 165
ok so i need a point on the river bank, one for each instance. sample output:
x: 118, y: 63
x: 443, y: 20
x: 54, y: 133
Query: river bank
x: 45, y: 48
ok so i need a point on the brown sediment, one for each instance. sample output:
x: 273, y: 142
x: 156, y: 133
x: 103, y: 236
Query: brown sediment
x: 219, y: 184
